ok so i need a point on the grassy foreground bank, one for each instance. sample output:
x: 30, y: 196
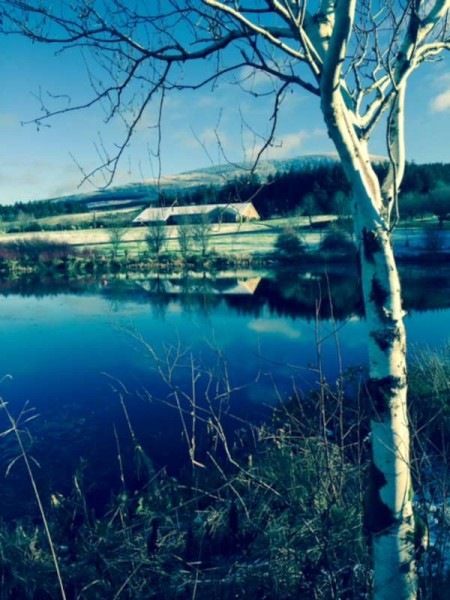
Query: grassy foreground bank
x: 273, y: 511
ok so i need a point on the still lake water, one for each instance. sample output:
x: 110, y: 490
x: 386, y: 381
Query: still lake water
x: 71, y: 349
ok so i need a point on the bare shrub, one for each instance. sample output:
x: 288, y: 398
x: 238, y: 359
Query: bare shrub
x: 116, y: 234
x: 289, y: 246
x: 338, y: 242
x: 156, y: 237
x: 36, y: 250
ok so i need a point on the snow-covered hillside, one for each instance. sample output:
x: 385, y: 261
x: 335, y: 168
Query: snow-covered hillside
x: 209, y: 176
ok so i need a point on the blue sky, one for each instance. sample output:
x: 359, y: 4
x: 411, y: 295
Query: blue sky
x: 37, y: 164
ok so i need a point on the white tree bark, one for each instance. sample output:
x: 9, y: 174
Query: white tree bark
x: 389, y: 509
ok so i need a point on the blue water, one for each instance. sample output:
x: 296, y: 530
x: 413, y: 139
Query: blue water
x: 58, y: 349
x: 69, y: 356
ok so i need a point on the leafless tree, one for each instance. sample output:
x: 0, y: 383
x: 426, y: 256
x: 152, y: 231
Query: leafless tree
x: 116, y: 234
x: 186, y: 233
x: 309, y: 207
x: 156, y: 237
x: 201, y: 234
x: 356, y: 58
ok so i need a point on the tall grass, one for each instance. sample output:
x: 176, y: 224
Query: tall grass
x: 273, y: 511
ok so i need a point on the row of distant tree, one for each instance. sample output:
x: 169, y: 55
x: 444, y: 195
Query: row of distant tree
x: 320, y: 189
x: 39, y: 209
x: 323, y: 189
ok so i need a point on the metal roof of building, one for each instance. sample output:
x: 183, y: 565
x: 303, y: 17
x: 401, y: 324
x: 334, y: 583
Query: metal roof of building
x: 163, y: 213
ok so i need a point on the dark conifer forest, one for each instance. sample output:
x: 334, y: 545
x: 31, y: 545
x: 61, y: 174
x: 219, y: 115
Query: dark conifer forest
x: 316, y: 189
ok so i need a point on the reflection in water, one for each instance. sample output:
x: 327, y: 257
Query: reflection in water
x: 203, y: 284
x: 59, y: 337
x: 278, y: 327
x: 286, y: 293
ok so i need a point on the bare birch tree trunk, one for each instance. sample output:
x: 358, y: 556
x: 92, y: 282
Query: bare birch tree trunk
x: 388, y: 508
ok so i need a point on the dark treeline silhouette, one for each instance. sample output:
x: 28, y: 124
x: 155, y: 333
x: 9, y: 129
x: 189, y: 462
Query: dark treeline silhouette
x: 316, y: 189
x: 422, y: 179
x: 312, y: 189
x: 38, y: 209
x: 301, y: 293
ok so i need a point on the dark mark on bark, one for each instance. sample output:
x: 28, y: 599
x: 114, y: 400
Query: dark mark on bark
x: 377, y: 516
x: 386, y: 338
x: 371, y: 244
x: 382, y: 390
x: 379, y: 295
x: 405, y: 567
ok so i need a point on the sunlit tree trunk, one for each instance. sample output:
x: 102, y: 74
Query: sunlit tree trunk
x: 388, y: 507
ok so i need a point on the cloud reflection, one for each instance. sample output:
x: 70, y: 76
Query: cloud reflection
x: 277, y: 327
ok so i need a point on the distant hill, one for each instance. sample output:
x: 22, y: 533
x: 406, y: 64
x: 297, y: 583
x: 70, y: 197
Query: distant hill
x: 149, y: 190
x: 311, y: 184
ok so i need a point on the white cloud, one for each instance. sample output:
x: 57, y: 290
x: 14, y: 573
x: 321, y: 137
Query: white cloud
x: 255, y: 78
x: 443, y: 79
x: 277, y: 327
x: 284, y: 146
x: 288, y: 144
x: 210, y: 139
x: 41, y: 179
x: 209, y: 136
x: 293, y: 102
x: 441, y: 102
x: 209, y: 101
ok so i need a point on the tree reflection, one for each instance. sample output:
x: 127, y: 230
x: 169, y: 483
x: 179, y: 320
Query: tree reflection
x: 285, y: 293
